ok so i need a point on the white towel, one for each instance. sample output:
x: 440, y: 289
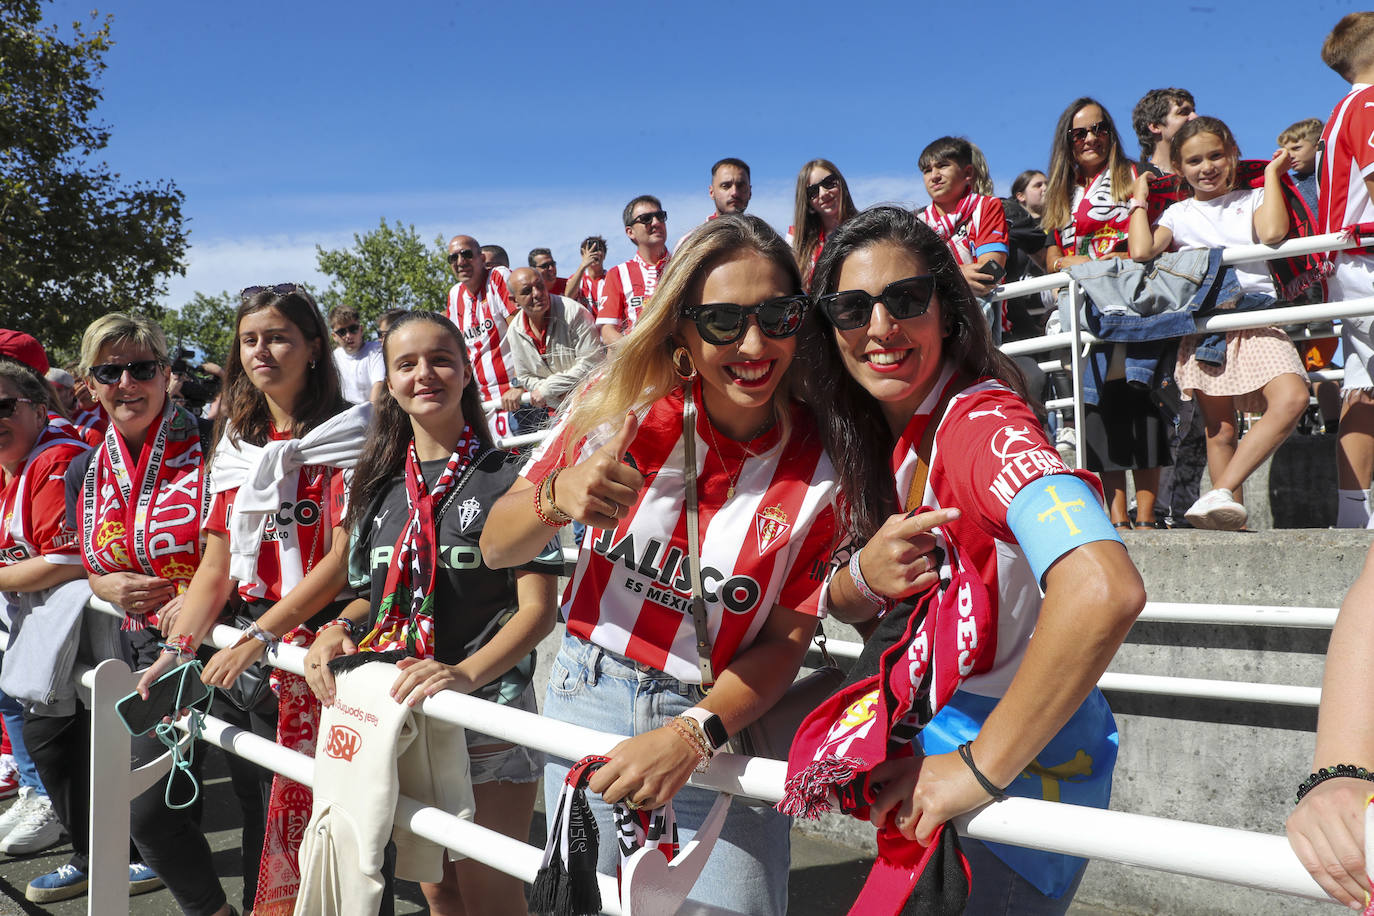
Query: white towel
x: 265, y: 476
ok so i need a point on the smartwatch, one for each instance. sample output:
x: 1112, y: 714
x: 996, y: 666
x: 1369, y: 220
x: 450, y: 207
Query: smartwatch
x: 711, y: 726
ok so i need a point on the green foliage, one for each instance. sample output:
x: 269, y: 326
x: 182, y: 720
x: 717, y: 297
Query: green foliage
x: 386, y: 268
x: 75, y: 240
x: 206, y: 323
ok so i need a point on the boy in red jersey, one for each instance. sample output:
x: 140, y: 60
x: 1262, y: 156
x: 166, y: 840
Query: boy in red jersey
x: 973, y: 225
x: 1346, y: 164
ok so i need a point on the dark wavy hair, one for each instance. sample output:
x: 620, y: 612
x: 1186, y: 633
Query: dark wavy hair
x: 853, y: 428
x: 389, y: 434
x: 245, y: 413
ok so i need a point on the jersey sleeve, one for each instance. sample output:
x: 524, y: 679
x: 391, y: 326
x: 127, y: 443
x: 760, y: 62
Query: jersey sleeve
x: 54, y: 541
x: 1000, y: 448
x: 611, y: 309
x: 991, y: 237
x: 339, y: 482
x: 1359, y: 131
x: 220, y: 508
x: 809, y: 572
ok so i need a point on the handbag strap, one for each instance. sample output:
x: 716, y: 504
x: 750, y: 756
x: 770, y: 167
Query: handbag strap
x: 699, y: 618
x: 916, y: 492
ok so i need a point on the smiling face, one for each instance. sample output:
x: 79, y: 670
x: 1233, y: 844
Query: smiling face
x: 426, y: 372
x: 650, y: 236
x: 465, y: 259
x: 826, y: 203
x: 1090, y: 154
x: 19, y: 431
x: 896, y: 361
x: 1179, y: 114
x: 1207, y: 165
x: 739, y: 379
x: 132, y: 405
x: 276, y: 355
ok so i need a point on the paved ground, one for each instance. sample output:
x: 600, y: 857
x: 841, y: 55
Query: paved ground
x: 826, y: 876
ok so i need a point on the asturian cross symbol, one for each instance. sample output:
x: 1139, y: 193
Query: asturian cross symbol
x: 1062, y: 508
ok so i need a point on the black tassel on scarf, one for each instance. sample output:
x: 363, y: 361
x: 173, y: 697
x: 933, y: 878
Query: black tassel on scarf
x: 566, y: 883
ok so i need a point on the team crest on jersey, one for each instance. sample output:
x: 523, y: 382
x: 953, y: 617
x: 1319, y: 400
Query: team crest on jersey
x: 468, y: 510
x: 771, y: 524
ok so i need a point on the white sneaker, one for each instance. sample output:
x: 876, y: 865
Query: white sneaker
x: 10, y: 819
x: 1216, y: 510
x: 37, y: 828
x: 1067, y: 437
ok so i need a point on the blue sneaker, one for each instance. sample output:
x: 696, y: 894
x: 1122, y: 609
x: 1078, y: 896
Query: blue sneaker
x: 67, y: 882
x: 142, y: 879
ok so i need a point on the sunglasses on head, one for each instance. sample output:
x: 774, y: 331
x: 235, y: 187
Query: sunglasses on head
x: 281, y: 289
x: 141, y: 370
x: 853, y: 308
x: 9, y: 405
x: 344, y: 332
x: 828, y: 183
x: 1100, y: 129
x: 723, y: 323
x: 462, y: 254
x: 647, y: 219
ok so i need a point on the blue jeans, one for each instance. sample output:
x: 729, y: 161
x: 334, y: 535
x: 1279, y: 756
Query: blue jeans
x: 997, y: 890
x: 747, y: 869
x: 13, y: 714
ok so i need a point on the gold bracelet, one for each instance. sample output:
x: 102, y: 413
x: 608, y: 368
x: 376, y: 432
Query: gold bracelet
x: 690, y: 732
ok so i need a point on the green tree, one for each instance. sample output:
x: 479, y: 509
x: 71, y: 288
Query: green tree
x: 206, y: 323
x: 76, y: 241
x: 386, y: 268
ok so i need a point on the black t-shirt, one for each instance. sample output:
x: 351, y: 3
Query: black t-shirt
x: 468, y: 596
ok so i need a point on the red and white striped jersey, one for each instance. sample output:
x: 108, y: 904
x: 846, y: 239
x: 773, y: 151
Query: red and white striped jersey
x: 978, y: 226
x: 1345, y: 160
x: 627, y: 287
x: 483, y: 322
x: 33, y: 503
x: 320, y: 505
x: 995, y: 447
x: 766, y: 546
x: 591, y: 290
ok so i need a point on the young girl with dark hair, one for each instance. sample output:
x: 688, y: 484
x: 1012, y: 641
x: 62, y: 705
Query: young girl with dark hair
x: 421, y: 493
x: 929, y: 406
x: 283, y: 437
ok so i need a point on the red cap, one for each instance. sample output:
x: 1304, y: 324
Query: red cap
x: 23, y: 347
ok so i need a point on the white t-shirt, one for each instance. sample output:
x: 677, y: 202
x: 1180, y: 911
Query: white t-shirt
x: 358, y: 372
x: 1222, y: 222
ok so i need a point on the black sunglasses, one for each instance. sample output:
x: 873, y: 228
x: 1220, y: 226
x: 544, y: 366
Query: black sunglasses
x: 281, y: 289
x: 1079, y: 134
x: 646, y: 219
x: 140, y: 370
x: 853, y: 308
x: 828, y: 183
x: 344, y: 332
x: 9, y: 405
x: 464, y: 254
x: 723, y: 323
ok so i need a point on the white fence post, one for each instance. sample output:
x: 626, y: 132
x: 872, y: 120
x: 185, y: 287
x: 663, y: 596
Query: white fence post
x: 112, y: 787
x: 1076, y: 361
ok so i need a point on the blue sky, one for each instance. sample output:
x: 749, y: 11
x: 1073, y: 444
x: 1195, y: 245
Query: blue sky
x: 289, y: 124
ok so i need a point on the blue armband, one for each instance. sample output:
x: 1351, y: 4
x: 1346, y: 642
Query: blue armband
x: 990, y: 248
x: 1052, y: 515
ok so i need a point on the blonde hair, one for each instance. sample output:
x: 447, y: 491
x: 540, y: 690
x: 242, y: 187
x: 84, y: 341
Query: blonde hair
x: 1063, y: 172
x: 117, y: 326
x: 1309, y: 129
x: 640, y: 370
x: 1350, y: 46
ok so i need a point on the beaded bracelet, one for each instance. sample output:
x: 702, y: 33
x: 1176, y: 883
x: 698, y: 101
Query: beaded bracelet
x: 555, y: 517
x: 181, y: 645
x: 857, y: 574
x: 1338, y: 771
x: 966, y: 755
x: 684, y: 730
x: 338, y: 622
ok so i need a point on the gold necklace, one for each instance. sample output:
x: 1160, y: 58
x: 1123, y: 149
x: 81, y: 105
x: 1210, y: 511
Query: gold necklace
x: 734, y: 478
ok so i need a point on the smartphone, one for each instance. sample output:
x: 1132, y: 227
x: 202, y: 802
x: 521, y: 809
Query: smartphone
x: 992, y: 269
x: 141, y: 716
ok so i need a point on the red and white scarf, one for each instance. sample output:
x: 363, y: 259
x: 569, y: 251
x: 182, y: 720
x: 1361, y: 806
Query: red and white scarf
x: 947, y: 225
x: 155, y: 529
x: 405, y: 619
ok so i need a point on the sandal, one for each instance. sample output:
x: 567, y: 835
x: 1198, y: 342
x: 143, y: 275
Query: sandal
x: 1124, y: 526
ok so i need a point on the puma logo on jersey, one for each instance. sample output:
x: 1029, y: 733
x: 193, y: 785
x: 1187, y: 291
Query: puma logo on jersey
x: 995, y: 412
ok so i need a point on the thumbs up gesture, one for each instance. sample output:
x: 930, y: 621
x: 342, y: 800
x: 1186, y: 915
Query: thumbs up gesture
x: 600, y: 489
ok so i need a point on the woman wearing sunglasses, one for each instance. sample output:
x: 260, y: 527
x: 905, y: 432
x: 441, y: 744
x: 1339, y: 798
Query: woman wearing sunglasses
x: 711, y: 355
x: 277, y: 498
x: 1087, y: 213
x: 823, y: 202
x: 944, y: 417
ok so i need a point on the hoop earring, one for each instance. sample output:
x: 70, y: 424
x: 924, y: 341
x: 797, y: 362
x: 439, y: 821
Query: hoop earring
x: 312, y: 364
x: 681, y: 355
